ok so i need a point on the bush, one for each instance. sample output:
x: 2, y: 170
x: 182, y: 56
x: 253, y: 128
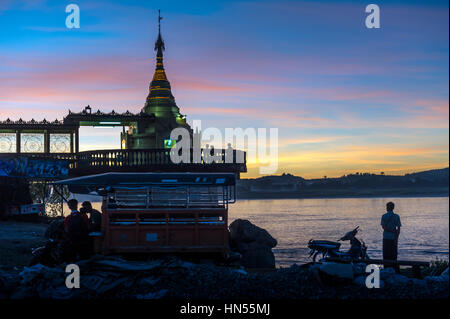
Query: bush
x: 436, y: 267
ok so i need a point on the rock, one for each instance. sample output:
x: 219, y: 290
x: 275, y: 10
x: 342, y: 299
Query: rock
x: 153, y: 295
x: 256, y: 256
x: 361, y: 281
x: 253, y: 243
x: 55, y: 228
x: 344, y: 271
x: 243, y: 231
x: 45, y: 282
x: 444, y: 277
x: 386, y: 273
x: 397, y: 280
x: 359, y: 269
x: 51, y: 276
x: 121, y: 264
x: 241, y: 271
x: 7, y: 284
x: 389, y: 276
x: 109, y: 277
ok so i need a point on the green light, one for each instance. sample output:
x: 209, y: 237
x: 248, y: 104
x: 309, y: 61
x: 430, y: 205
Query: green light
x: 169, y: 143
x: 110, y: 123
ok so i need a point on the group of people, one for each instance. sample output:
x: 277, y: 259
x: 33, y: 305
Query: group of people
x: 79, y: 223
x: 77, y: 226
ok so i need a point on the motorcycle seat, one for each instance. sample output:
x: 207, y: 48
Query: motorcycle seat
x: 324, y: 244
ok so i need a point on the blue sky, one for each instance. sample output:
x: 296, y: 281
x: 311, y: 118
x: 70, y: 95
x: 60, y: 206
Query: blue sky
x: 344, y: 98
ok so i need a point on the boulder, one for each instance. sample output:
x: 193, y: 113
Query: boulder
x: 253, y: 243
x: 444, y: 277
x: 398, y: 280
x: 243, y: 231
x: 361, y: 281
x: 386, y: 273
x: 344, y: 271
x: 55, y: 228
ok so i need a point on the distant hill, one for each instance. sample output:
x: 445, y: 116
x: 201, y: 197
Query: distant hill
x: 434, y: 174
x: 432, y: 182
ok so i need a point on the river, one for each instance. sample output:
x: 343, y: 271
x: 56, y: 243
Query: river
x: 293, y: 222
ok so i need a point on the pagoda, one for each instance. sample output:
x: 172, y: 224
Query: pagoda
x: 164, y: 114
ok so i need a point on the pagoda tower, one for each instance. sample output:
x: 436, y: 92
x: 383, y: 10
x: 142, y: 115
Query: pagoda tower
x: 162, y: 113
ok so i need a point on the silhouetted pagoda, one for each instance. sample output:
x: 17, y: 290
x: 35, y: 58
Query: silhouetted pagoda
x: 37, y: 149
x: 160, y: 105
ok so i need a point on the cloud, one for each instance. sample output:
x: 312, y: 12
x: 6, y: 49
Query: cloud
x: 309, y: 68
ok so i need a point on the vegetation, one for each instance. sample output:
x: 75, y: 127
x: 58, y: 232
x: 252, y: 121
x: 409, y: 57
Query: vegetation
x: 436, y: 267
x: 41, y: 192
x: 428, y: 183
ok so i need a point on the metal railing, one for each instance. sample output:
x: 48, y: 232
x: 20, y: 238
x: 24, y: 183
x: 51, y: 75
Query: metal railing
x: 91, y: 162
x: 151, y: 157
x: 171, y: 197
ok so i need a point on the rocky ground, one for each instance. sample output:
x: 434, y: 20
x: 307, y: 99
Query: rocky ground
x: 17, y: 239
x: 112, y: 277
x: 173, y: 278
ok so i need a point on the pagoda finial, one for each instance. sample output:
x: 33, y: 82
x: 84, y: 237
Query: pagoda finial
x: 159, y: 44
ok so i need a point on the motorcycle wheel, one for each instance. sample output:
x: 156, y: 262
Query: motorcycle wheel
x: 316, y: 258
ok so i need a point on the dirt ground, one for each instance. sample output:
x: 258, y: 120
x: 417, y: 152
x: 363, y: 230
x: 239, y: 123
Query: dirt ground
x: 17, y: 240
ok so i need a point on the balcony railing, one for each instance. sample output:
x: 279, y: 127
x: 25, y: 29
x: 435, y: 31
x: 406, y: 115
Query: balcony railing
x: 150, y: 157
x: 91, y: 162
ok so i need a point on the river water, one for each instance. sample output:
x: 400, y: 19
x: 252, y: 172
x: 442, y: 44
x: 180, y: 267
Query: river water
x: 293, y: 222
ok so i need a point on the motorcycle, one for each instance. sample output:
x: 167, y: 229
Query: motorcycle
x: 326, y: 248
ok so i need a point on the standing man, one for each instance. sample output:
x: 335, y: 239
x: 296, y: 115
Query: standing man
x: 391, y: 230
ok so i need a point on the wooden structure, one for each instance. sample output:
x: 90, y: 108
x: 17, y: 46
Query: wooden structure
x: 161, y: 212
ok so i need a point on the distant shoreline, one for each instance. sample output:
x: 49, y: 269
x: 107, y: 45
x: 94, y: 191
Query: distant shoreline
x: 343, y: 197
x: 330, y: 194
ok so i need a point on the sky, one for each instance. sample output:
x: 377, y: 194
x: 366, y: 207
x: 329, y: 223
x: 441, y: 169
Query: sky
x: 344, y: 98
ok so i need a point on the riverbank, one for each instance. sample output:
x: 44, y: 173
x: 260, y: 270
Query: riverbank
x: 172, y: 278
x: 17, y: 240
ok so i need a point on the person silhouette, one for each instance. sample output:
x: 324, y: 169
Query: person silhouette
x: 391, y: 224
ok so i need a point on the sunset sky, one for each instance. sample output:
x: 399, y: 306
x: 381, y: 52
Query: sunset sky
x: 344, y: 98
